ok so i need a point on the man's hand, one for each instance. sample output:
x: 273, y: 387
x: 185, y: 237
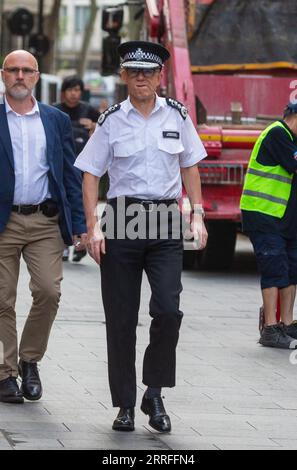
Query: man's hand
x: 199, y: 231
x: 80, y: 242
x: 96, y: 243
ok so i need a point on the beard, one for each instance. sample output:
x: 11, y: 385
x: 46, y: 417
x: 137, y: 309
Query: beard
x: 18, y: 92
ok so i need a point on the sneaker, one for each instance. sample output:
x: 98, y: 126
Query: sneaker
x: 275, y: 336
x: 291, y: 330
x: 78, y: 255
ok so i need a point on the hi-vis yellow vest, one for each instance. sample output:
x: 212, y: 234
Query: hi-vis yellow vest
x: 266, y: 188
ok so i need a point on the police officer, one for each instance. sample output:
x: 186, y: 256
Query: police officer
x: 269, y: 208
x: 148, y: 145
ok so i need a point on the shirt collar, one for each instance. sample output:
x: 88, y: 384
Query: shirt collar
x: 34, y: 110
x: 160, y: 103
x: 127, y: 106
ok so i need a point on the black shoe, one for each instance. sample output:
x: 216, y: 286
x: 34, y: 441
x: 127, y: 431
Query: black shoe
x: 291, y: 330
x: 159, y: 419
x: 10, y: 392
x: 275, y: 336
x: 78, y: 255
x: 125, y: 420
x: 31, y: 385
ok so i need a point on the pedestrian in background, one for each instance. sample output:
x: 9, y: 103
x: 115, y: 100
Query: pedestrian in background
x: 83, y: 119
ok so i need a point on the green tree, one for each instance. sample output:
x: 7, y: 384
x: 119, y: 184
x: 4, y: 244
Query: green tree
x: 52, y: 32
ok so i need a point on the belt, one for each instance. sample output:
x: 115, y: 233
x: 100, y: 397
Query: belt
x: 148, y: 205
x: 28, y: 209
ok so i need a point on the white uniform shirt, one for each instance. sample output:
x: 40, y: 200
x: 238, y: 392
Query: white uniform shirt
x: 142, y: 155
x: 29, y: 154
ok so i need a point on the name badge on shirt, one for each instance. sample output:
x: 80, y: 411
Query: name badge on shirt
x: 171, y: 135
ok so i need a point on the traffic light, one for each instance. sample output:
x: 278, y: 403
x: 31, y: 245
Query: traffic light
x: 110, y: 56
x: 112, y: 21
x: 20, y: 22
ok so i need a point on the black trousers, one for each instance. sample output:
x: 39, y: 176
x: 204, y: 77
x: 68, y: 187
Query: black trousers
x: 121, y: 275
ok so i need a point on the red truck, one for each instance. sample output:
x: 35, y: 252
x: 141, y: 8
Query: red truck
x: 230, y: 100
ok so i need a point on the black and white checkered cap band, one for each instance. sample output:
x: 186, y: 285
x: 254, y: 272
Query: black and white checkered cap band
x: 140, y: 58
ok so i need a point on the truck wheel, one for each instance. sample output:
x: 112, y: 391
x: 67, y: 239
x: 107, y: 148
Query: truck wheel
x: 189, y: 258
x: 219, y: 251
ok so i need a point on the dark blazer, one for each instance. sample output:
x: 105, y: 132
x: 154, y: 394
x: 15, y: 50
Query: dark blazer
x: 64, y: 178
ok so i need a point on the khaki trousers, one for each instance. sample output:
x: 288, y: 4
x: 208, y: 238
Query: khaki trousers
x: 38, y: 239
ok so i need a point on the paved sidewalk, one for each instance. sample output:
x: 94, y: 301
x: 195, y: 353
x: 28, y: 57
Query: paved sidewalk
x: 231, y: 392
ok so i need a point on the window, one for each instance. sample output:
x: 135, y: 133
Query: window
x: 82, y: 15
x: 63, y: 20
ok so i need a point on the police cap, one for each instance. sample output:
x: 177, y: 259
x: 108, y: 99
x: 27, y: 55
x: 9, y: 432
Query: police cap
x: 142, y: 54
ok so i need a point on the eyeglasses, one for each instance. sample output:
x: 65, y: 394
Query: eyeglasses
x: 147, y: 73
x: 26, y: 71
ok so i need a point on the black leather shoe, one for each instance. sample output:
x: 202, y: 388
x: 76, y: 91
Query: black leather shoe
x: 159, y: 419
x: 31, y: 385
x: 125, y: 420
x: 10, y: 392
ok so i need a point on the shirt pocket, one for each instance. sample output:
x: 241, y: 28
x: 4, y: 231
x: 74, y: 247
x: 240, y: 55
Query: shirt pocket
x: 127, y: 146
x: 169, y: 145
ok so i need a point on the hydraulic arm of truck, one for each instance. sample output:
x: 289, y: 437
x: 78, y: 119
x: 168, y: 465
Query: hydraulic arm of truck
x: 166, y: 20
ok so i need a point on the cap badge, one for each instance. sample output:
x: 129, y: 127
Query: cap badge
x: 139, y: 54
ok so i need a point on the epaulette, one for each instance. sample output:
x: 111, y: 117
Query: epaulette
x: 107, y: 112
x: 179, y: 106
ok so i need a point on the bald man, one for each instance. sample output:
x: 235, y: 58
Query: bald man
x: 40, y: 210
